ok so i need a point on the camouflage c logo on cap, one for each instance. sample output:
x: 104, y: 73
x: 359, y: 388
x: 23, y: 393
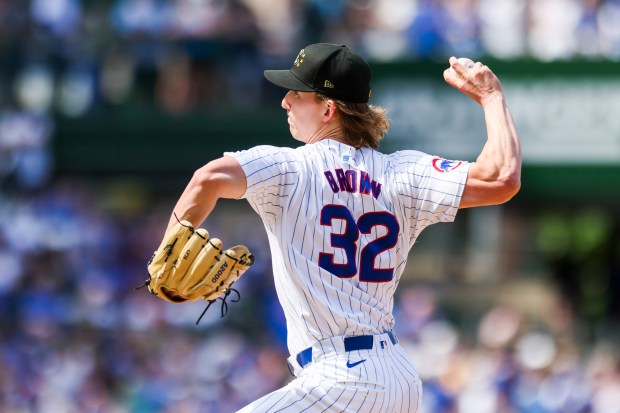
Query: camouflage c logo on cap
x: 300, y: 58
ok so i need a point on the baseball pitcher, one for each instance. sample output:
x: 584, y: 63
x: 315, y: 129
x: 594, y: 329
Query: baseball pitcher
x: 341, y: 218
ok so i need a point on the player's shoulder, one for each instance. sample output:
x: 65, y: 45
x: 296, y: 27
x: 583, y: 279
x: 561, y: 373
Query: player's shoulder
x: 408, y: 153
x: 408, y: 157
x: 272, y: 149
x: 268, y: 152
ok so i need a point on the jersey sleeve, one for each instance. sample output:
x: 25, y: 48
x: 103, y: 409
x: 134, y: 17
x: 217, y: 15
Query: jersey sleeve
x: 271, y: 174
x: 429, y: 188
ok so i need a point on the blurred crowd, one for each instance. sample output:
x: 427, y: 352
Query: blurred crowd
x: 75, y: 56
x: 76, y: 337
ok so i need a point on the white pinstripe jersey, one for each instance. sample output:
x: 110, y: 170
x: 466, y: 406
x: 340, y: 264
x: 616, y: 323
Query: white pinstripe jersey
x: 340, y: 223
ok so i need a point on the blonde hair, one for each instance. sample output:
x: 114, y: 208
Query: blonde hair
x: 362, y: 124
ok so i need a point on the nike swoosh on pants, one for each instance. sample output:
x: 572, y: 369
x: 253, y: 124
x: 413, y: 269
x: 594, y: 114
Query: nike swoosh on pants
x: 350, y: 365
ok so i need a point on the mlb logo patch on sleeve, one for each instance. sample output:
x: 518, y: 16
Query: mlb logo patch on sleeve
x: 445, y: 165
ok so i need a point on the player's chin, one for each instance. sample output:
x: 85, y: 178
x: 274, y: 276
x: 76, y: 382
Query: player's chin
x: 294, y: 133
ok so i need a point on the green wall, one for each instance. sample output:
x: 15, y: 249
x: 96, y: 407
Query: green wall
x: 153, y: 146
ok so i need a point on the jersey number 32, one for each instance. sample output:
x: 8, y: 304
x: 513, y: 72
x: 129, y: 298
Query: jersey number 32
x: 347, y: 241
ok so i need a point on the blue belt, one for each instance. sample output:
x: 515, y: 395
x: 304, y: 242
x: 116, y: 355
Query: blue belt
x: 350, y: 344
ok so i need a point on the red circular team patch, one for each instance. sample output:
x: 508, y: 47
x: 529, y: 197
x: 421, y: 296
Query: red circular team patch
x: 445, y: 165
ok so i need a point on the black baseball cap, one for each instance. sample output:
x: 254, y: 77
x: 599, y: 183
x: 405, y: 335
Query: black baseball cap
x: 333, y: 70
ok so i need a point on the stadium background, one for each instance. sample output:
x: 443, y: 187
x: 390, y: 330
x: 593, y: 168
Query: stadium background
x: 107, y: 107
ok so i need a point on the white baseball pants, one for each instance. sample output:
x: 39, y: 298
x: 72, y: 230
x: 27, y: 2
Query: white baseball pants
x: 380, y: 379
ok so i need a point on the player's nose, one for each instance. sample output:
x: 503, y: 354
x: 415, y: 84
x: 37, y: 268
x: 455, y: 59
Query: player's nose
x: 285, y: 104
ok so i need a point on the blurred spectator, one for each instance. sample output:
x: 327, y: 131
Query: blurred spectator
x: 61, y: 18
x: 588, y: 30
x: 553, y: 29
x: 140, y: 17
x: 461, y: 28
x: 503, y: 27
x: 607, y: 18
x: 24, y: 152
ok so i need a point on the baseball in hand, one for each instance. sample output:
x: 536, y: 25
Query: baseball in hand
x: 468, y: 63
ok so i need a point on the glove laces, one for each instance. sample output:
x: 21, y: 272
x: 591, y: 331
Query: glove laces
x: 224, y: 307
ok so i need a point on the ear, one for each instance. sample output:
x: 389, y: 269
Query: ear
x: 330, y: 111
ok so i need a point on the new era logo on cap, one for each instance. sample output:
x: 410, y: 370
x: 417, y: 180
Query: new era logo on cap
x: 331, y: 69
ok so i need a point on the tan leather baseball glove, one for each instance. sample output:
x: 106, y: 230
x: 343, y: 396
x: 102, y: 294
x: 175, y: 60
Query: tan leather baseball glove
x: 190, y: 266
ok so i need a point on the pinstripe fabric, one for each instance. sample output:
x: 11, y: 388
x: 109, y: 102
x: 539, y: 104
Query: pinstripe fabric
x: 340, y: 223
x: 382, y: 380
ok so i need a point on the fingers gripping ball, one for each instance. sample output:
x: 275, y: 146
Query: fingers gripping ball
x: 189, y: 266
x: 465, y: 62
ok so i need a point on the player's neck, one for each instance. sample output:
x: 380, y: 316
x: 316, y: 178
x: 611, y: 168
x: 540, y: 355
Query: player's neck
x: 333, y: 132
x: 340, y: 139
